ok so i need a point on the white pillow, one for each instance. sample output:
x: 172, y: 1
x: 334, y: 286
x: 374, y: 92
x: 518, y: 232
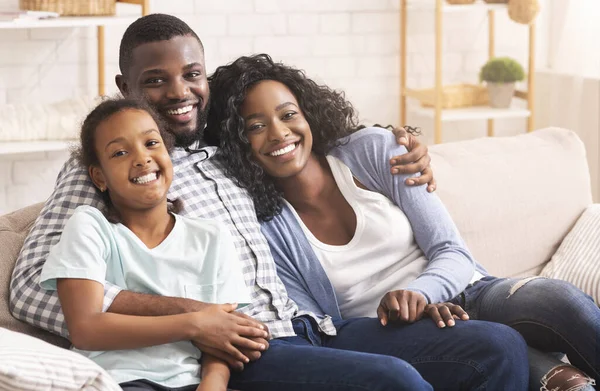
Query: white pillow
x: 577, y: 260
x: 30, y: 364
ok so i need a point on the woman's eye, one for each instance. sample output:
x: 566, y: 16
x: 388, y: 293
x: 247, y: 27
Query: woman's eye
x: 254, y: 127
x: 152, y: 143
x: 289, y: 115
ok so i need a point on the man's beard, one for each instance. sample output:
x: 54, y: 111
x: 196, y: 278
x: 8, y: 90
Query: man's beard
x: 186, y: 139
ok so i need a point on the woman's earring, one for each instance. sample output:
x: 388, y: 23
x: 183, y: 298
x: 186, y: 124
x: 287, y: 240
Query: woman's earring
x: 102, y: 189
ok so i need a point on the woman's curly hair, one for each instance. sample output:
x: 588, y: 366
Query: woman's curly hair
x: 327, y: 111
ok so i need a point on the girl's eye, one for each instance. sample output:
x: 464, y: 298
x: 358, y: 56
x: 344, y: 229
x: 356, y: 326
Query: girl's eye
x: 118, y: 153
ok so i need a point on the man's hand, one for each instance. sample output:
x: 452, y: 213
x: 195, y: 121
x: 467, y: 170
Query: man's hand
x: 416, y: 160
x: 443, y: 314
x: 401, y: 305
x: 221, y: 332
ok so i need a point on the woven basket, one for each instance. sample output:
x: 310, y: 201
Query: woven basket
x: 71, y: 7
x: 460, y: 1
x: 523, y: 11
x: 454, y: 96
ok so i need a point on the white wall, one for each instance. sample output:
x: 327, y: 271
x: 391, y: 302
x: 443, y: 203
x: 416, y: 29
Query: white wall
x: 349, y: 44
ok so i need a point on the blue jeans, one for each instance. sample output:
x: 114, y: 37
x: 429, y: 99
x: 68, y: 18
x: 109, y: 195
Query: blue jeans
x: 552, y: 315
x: 473, y: 355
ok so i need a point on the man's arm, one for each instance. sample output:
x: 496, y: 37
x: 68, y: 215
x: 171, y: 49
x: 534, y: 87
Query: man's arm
x: 416, y: 160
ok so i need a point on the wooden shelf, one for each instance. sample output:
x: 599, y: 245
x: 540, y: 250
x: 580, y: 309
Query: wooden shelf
x: 473, y: 113
x: 19, y: 147
x: 69, y: 21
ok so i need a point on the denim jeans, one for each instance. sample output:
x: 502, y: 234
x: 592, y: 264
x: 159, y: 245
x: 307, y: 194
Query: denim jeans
x: 552, y: 315
x: 473, y: 355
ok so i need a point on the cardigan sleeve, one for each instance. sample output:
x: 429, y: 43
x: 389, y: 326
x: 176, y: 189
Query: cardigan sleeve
x: 450, y: 264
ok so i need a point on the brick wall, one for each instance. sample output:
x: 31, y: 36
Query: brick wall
x: 351, y: 45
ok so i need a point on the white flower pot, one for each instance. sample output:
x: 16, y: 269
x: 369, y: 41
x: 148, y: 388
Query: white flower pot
x: 500, y: 94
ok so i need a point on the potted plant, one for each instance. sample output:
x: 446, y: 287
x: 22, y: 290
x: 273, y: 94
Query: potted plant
x: 500, y: 75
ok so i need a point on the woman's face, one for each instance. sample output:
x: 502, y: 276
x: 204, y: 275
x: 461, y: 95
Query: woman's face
x: 134, y: 163
x: 280, y: 137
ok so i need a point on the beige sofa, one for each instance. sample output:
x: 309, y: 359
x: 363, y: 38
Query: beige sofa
x: 514, y: 199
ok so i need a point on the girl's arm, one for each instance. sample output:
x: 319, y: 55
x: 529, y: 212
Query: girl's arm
x: 215, y: 374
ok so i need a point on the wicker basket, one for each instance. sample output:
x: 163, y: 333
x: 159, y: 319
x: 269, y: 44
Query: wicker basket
x: 454, y: 96
x: 71, y: 7
x: 460, y: 1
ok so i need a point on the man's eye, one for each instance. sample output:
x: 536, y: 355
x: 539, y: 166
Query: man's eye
x: 154, y: 80
x: 194, y: 74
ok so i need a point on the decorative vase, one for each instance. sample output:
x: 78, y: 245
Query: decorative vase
x: 500, y: 94
x: 523, y: 11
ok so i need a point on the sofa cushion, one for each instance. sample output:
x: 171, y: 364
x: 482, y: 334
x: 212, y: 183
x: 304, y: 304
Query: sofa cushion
x: 13, y: 229
x: 514, y: 198
x: 29, y: 364
x: 578, y: 257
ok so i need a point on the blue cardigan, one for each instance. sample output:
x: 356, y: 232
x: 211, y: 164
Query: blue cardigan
x: 367, y: 153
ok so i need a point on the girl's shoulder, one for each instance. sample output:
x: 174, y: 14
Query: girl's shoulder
x: 90, y: 215
x: 202, y: 225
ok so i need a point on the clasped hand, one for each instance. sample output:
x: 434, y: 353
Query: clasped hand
x: 233, y: 337
x: 408, y: 307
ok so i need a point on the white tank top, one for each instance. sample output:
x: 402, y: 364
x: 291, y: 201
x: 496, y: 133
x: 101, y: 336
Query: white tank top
x: 381, y: 257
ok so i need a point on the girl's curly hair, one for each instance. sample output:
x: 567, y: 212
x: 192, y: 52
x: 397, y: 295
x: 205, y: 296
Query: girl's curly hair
x: 327, y: 111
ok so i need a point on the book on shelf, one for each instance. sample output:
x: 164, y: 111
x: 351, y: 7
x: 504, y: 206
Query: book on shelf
x: 17, y: 16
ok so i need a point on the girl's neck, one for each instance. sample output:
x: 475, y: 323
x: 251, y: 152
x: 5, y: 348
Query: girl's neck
x: 152, y: 226
x: 314, y: 184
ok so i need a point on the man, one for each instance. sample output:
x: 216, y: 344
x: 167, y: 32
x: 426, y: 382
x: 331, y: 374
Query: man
x: 162, y: 62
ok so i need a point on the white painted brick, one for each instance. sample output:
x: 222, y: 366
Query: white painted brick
x: 173, y: 7
x: 473, y: 61
x: 5, y: 174
x: 338, y: 23
x: 380, y: 44
x: 394, y: 4
x: 3, y: 97
x: 214, y: 25
x: 367, y: 5
x: 29, y: 52
x: 223, y: 6
x: 39, y: 170
x: 3, y: 203
x: 20, y: 196
x: 376, y: 22
x: 16, y: 35
x: 231, y: 47
x: 303, y: 24
x: 267, y: 6
x: 53, y: 34
x: 283, y: 46
x: 257, y: 25
x: 75, y: 50
x: 62, y: 75
x: 18, y: 76
x: 341, y: 66
x: 46, y: 94
x: 379, y: 66
x: 333, y: 45
x: 314, y: 67
x: 420, y: 43
x: 420, y: 22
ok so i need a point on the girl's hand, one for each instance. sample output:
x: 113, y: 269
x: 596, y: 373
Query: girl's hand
x: 401, y: 305
x: 443, y: 314
x: 220, y: 330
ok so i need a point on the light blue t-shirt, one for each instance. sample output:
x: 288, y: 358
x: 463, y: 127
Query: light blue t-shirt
x: 197, y: 260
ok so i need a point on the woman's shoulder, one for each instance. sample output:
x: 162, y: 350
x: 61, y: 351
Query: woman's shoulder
x: 368, y: 143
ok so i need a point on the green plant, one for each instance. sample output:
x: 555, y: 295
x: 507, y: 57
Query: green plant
x: 502, y: 70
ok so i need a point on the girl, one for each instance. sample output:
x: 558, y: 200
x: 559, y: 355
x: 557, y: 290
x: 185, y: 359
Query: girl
x: 141, y: 244
x: 329, y: 206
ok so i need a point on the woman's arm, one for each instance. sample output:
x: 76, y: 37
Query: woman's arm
x: 450, y: 266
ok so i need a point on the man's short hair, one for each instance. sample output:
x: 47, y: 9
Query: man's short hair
x: 151, y: 28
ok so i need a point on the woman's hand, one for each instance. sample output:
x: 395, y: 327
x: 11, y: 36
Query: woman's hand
x: 443, y: 314
x: 401, y: 305
x: 416, y: 160
x: 224, y: 334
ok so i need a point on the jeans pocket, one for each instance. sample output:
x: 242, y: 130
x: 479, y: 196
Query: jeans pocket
x: 304, y: 327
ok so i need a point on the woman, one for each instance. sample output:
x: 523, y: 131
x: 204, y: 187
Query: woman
x: 328, y: 201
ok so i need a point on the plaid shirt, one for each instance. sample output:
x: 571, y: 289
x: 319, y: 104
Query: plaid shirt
x: 199, y: 181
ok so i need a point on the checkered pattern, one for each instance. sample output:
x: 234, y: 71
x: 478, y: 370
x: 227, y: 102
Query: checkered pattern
x: 200, y: 183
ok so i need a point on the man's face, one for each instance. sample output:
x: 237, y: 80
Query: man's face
x: 171, y: 77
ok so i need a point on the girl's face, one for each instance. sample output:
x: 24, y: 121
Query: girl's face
x: 134, y: 163
x: 279, y: 135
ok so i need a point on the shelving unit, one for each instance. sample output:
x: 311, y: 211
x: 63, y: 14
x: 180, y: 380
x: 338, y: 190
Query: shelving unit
x: 16, y: 147
x: 439, y: 115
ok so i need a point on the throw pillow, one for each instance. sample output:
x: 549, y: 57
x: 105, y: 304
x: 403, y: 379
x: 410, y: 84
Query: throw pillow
x: 30, y: 364
x: 577, y: 260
